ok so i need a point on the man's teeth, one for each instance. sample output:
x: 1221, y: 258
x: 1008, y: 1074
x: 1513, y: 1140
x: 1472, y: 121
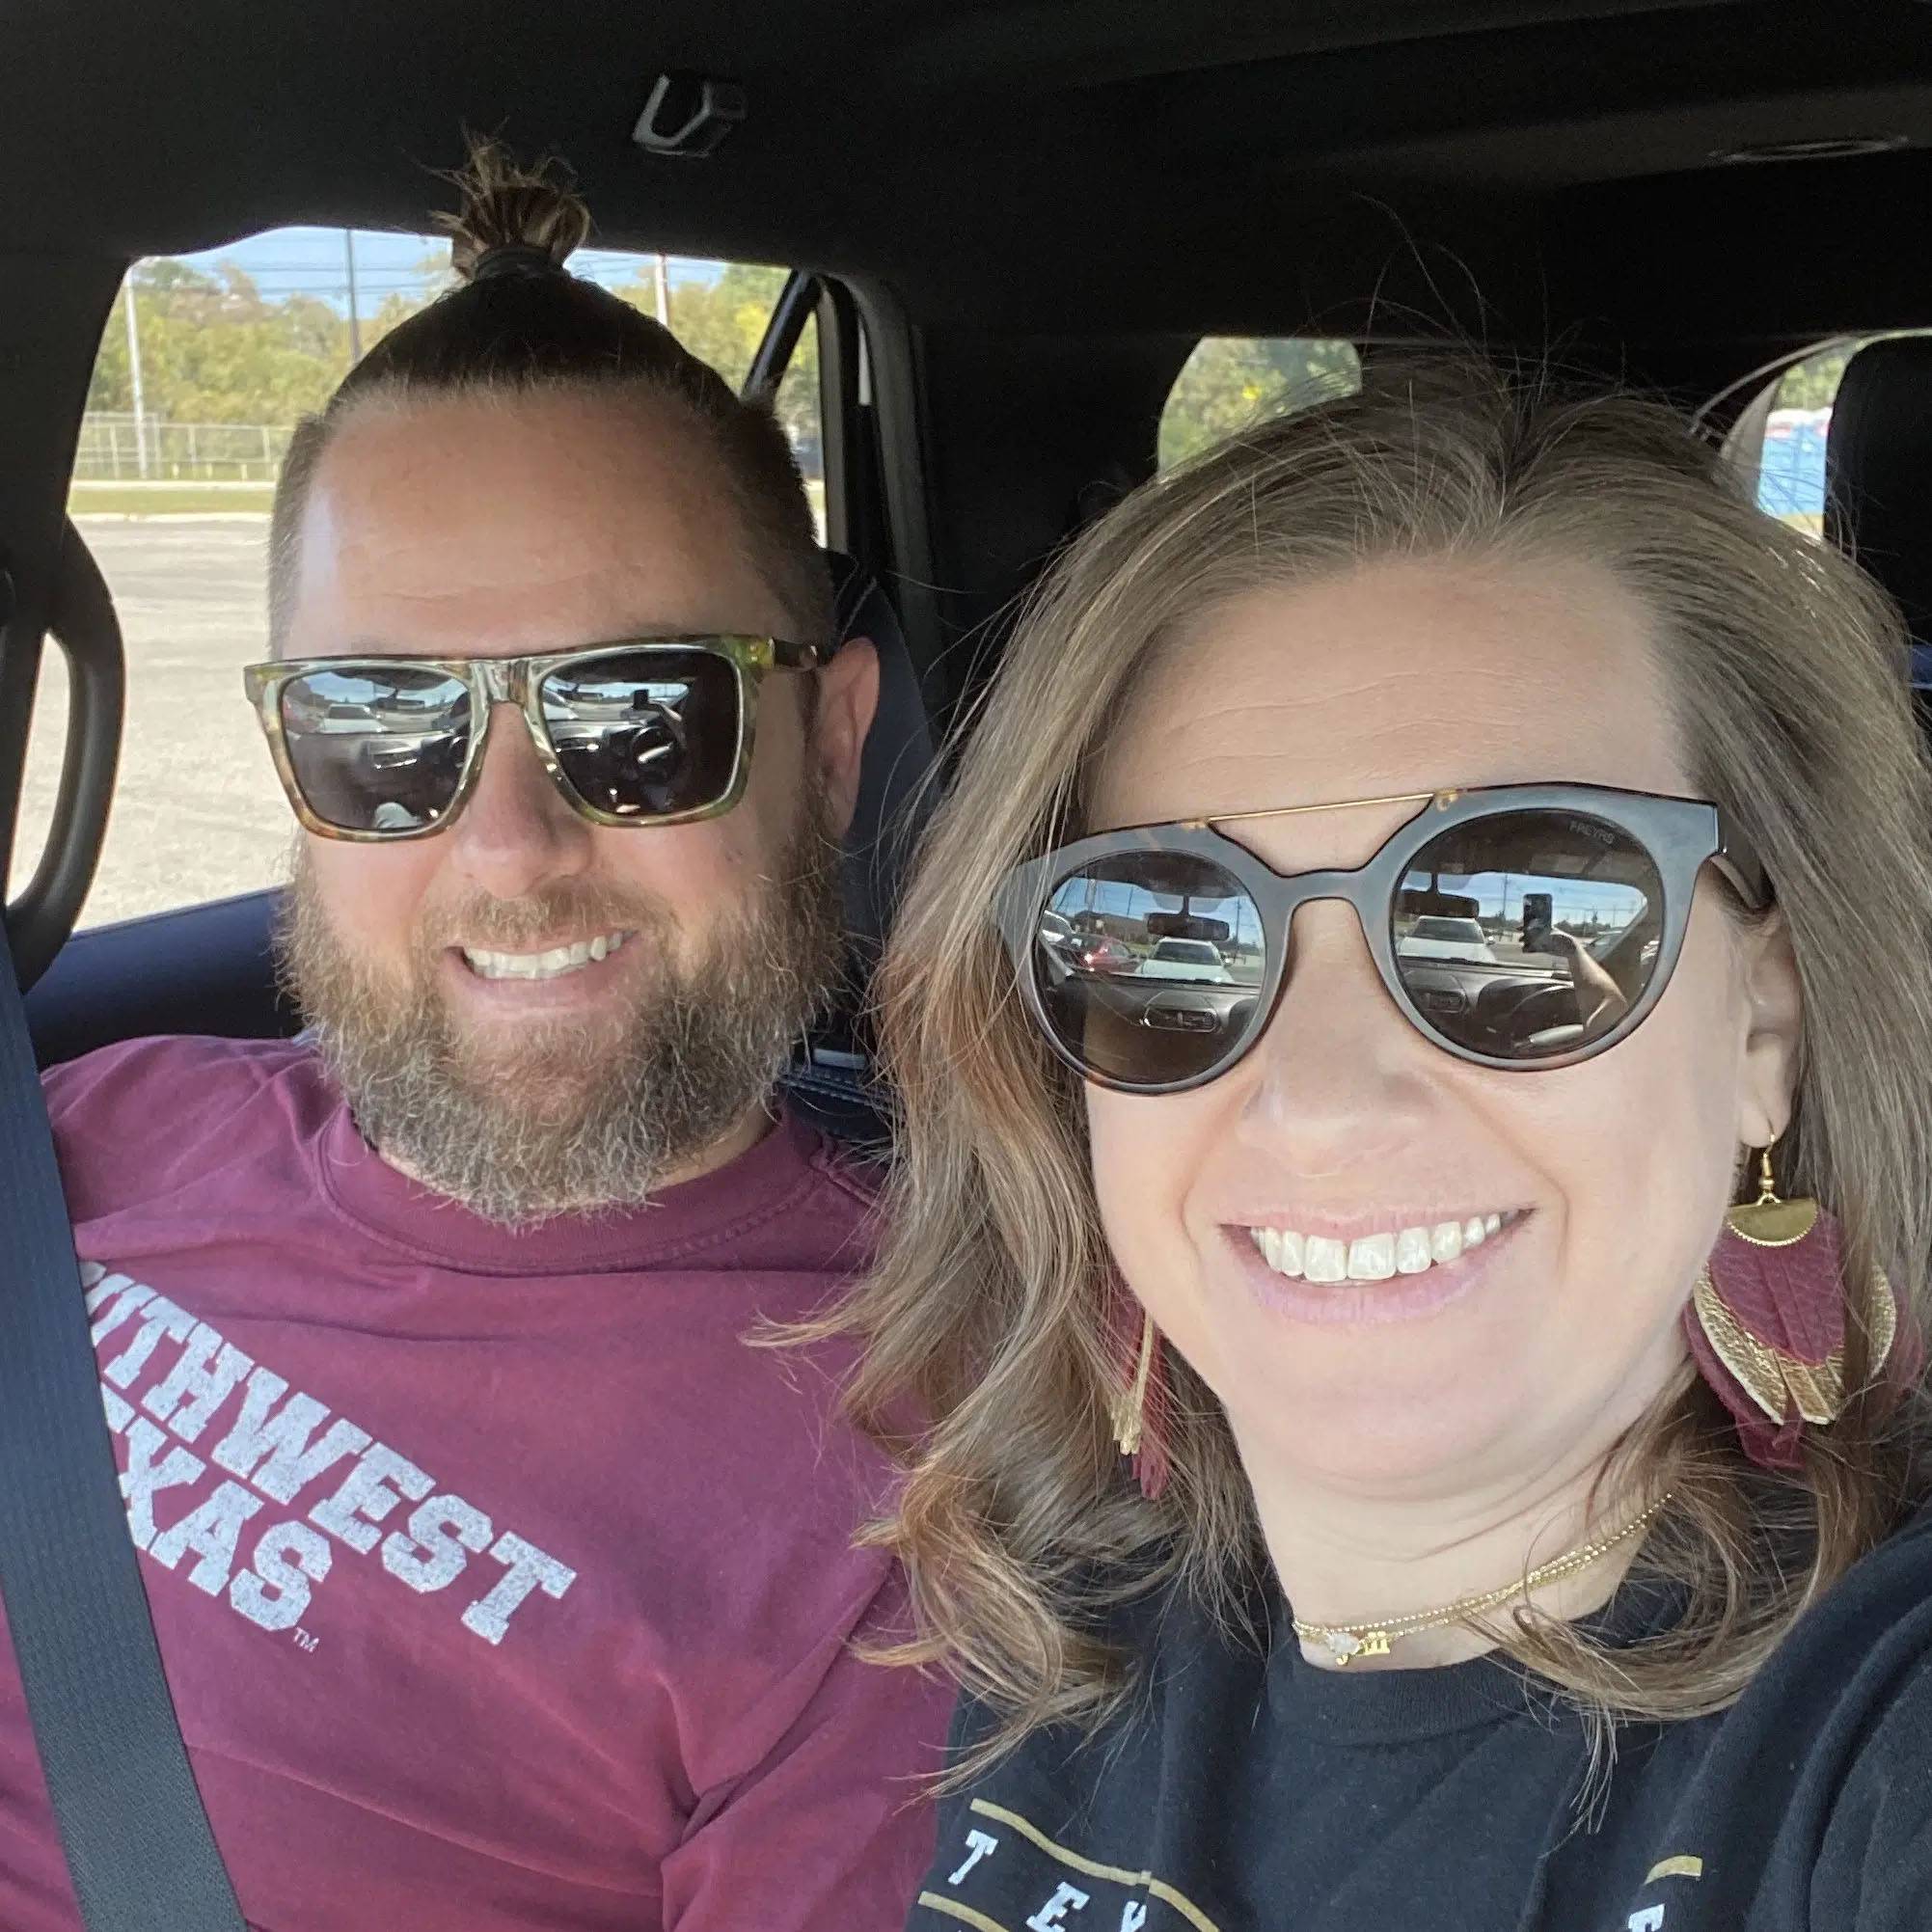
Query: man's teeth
x: 542, y: 966
x: 1372, y: 1257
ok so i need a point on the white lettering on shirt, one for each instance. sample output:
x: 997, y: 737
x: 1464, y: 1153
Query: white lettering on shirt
x: 279, y: 1441
x: 366, y: 1494
x: 1650, y: 1920
x: 288, y: 1560
x: 145, y: 1477
x: 1132, y: 1917
x: 211, y: 1529
x: 133, y: 1294
x: 159, y: 1318
x: 978, y: 1846
x: 530, y: 1568
x: 203, y: 1379
x: 1067, y: 1899
x: 275, y: 1453
x: 436, y: 1551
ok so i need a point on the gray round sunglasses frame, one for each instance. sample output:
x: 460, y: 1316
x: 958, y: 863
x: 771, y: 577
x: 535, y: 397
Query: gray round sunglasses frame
x: 1681, y: 835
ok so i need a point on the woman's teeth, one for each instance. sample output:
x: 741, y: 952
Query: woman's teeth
x: 1373, y: 1257
x: 542, y: 966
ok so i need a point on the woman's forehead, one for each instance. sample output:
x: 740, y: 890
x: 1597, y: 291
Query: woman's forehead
x: 1397, y: 677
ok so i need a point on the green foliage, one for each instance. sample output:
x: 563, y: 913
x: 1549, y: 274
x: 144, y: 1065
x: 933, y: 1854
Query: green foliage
x: 1232, y: 381
x: 722, y: 322
x: 1814, y: 383
x: 213, y: 349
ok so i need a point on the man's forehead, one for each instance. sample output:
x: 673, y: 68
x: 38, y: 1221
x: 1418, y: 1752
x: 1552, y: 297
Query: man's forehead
x: 507, y: 522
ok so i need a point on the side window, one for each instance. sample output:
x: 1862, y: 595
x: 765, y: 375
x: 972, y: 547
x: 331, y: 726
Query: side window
x: 46, y: 742
x: 1231, y: 381
x: 207, y: 363
x: 1791, y: 455
x: 1780, y: 439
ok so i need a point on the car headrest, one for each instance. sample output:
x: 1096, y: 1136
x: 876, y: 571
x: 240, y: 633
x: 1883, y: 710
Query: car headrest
x: 894, y: 792
x: 1878, y: 478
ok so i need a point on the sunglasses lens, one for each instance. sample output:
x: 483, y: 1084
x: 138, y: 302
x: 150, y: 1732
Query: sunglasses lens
x: 645, y: 734
x: 1149, y: 967
x: 375, y: 748
x: 1528, y: 935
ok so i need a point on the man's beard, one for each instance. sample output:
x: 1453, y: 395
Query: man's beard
x: 526, y: 1120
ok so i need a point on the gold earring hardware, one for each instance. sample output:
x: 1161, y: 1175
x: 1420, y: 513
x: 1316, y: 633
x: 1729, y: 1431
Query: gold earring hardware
x: 1130, y: 1407
x: 1770, y: 1221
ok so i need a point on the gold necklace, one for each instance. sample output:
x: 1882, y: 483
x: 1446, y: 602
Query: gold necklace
x: 1346, y: 1642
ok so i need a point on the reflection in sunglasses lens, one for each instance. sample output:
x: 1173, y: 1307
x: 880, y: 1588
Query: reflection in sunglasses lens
x: 645, y: 734
x: 1528, y: 934
x: 1148, y: 965
x: 377, y: 747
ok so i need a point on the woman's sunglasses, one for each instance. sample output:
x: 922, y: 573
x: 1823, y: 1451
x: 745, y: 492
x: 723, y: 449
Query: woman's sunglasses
x: 655, y: 731
x: 1519, y: 926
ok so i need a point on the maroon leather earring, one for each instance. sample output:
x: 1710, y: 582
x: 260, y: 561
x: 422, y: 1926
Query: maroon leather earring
x: 1766, y: 1320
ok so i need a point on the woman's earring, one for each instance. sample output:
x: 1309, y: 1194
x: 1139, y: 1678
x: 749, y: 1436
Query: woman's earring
x: 1766, y: 1320
x: 1138, y: 1413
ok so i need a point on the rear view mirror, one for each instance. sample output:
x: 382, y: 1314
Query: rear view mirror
x: 1184, y: 926
x: 1432, y: 904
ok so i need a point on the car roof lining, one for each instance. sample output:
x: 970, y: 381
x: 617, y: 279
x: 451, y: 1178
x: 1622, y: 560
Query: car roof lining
x: 1107, y: 165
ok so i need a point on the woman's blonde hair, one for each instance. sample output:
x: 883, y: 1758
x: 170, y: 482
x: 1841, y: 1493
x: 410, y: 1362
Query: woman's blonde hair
x: 988, y: 1308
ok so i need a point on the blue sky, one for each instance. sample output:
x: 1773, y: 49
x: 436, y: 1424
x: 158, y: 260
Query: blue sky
x: 313, y: 261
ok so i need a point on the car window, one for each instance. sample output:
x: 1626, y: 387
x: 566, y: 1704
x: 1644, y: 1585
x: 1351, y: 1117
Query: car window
x: 1231, y: 381
x: 46, y: 744
x: 206, y: 365
x: 1782, y: 441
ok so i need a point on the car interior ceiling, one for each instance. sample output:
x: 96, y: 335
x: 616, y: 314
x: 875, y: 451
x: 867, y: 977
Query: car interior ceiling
x: 1032, y: 209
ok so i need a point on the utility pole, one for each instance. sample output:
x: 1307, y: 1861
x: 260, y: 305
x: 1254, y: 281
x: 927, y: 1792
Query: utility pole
x: 355, y: 319
x: 134, y: 375
x: 660, y: 279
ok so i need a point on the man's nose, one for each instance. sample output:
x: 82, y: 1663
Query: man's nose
x: 516, y: 832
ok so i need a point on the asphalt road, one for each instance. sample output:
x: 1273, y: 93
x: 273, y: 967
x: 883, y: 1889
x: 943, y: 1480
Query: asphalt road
x: 197, y: 813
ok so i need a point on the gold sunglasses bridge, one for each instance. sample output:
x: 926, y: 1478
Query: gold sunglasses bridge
x: 1441, y: 800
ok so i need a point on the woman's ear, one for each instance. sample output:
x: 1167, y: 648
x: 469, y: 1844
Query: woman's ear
x: 1773, y: 1030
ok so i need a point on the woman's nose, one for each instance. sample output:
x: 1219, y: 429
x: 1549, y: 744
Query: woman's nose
x: 1336, y: 1082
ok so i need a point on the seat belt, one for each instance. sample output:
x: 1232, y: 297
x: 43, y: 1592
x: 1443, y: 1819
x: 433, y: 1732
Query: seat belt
x: 138, y: 1844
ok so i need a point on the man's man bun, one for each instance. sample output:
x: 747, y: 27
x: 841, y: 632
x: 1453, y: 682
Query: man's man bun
x: 512, y: 216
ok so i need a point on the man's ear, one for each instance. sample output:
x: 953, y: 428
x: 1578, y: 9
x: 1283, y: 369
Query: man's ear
x: 848, y: 696
x: 1773, y: 1030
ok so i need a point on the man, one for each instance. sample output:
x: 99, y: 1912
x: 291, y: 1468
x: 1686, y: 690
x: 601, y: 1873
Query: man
x: 499, y: 1585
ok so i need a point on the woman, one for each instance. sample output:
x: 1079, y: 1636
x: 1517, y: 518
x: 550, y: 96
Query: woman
x: 1509, y: 1285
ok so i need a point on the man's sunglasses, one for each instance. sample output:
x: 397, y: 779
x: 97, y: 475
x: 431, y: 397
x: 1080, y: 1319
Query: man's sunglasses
x: 653, y: 731
x: 1518, y: 926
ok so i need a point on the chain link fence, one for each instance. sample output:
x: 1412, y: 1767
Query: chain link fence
x: 115, y: 448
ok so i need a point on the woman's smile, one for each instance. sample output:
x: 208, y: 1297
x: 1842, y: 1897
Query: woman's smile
x: 1368, y: 1269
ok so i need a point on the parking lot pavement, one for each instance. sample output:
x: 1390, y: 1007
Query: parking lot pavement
x: 197, y: 810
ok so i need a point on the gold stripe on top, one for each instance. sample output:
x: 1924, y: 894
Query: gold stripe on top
x: 965, y: 1913
x: 1094, y: 1868
x: 1331, y: 806
x: 1683, y: 1866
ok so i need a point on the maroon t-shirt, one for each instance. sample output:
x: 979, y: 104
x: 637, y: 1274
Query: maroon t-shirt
x: 499, y: 1585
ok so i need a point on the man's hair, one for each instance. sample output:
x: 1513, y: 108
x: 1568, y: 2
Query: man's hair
x: 518, y: 321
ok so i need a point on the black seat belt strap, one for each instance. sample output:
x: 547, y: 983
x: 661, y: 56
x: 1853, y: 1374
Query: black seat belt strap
x: 137, y: 1839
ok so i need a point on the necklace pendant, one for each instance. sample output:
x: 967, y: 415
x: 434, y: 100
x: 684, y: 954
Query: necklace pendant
x: 1343, y: 1647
